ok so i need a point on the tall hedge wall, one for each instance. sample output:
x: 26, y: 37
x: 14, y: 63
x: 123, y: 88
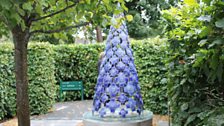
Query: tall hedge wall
x: 48, y: 63
x: 79, y: 62
x: 7, y: 82
x: 41, y: 79
x: 149, y: 60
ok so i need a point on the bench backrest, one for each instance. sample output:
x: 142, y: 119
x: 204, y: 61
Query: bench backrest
x: 71, y: 85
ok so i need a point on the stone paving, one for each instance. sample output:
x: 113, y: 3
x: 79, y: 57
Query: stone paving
x: 56, y: 123
x: 64, y: 114
x: 67, y: 111
x: 163, y: 123
x: 68, y: 114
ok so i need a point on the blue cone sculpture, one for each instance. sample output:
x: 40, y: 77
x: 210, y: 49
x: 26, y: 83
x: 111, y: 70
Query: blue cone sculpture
x: 117, y: 92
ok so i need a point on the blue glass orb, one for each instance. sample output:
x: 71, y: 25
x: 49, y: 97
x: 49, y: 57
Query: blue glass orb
x: 131, y: 104
x: 120, y: 66
x: 113, y: 90
x: 122, y: 98
x: 102, y: 112
x: 123, y: 113
x: 112, y: 105
x: 104, y: 98
x: 129, y: 89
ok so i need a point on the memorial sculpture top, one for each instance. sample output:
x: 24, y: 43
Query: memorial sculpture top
x: 117, y: 93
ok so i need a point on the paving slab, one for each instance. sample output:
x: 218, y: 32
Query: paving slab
x: 56, y: 123
x: 163, y: 123
x: 67, y: 111
x: 68, y: 114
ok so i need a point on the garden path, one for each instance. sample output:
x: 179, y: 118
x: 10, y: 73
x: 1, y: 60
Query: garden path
x: 70, y: 114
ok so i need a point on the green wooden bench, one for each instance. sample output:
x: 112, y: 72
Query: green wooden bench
x: 71, y: 86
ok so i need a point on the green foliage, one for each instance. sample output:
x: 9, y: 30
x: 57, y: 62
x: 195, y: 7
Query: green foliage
x: 147, y: 17
x: 7, y: 82
x: 196, y: 62
x: 79, y: 62
x: 3, y: 30
x: 149, y: 55
x: 41, y: 79
x: 39, y: 16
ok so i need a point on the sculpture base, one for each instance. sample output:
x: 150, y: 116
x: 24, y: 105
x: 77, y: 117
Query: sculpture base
x: 145, y: 119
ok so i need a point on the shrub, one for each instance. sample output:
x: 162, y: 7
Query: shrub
x: 41, y: 79
x: 196, y: 65
x: 7, y: 82
x: 77, y: 62
x: 149, y: 55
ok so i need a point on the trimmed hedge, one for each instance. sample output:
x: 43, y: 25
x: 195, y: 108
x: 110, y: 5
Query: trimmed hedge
x: 149, y: 56
x: 41, y: 79
x: 7, y: 82
x: 79, y: 62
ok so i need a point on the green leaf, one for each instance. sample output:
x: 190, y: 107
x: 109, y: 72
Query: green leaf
x: 202, y: 42
x: 205, y: 31
x: 221, y: 3
x: 220, y: 72
x: 88, y: 1
x: 106, y: 1
x: 6, y: 4
x: 21, y: 11
x: 190, y: 2
x: 216, y: 42
x: 163, y: 81
x: 184, y: 107
x: 207, y: 1
x: 39, y: 9
x: 190, y: 119
x: 27, y: 6
x: 124, y: 7
x: 129, y: 17
x: 220, y: 23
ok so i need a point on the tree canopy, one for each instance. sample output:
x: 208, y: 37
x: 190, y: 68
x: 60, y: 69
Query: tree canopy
x: 147, y: 17
x: 54, y: 16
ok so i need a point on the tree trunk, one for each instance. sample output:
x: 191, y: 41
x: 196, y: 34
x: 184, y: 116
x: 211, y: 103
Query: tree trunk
x: 99, y: 34
x: 20, y: 39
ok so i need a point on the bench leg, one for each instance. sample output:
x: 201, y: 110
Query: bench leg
x: 60, y: 95
x: 82, y: 95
